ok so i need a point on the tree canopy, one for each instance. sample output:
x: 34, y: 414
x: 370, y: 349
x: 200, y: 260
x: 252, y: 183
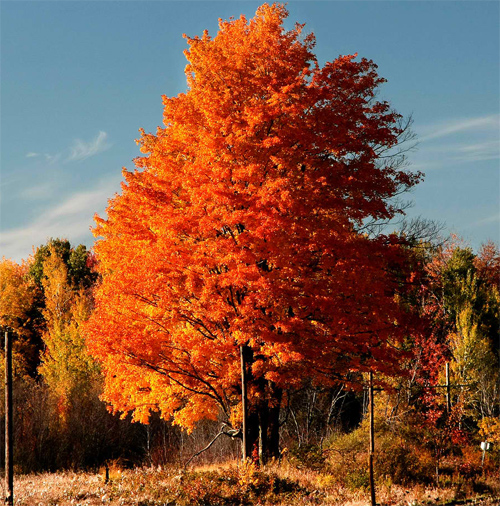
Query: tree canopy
x: 243, y: 224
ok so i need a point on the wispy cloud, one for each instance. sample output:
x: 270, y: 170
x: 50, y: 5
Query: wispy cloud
x: 461, y: 141
x: 82, y: 150
x: 72, y: 219
x: 38, y: 192
x: 52, y: 159
x: 489, y: 150
x: 491, y: 122
x: 48, y: 157
x: 495, y: 218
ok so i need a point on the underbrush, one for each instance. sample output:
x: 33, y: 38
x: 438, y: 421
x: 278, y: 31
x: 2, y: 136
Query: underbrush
x: 242, y: 484
x: 407, y: 458
x: 282, y: 483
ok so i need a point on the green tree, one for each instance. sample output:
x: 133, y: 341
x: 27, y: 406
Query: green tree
x: 78, y: 261
x: 66, y: 365
x: 465, y: 303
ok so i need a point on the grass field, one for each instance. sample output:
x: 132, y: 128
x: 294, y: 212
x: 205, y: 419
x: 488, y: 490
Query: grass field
x: 230, y: 484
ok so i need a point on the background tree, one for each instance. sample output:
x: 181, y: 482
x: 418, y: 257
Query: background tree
x: 244, y: 225
x: 66, y: 366
x: 77, y: 426
x: 79, y: 262
x: 457, y: 293
x: 58, y: 418
x: 15, y: 294
x: 16, y: 299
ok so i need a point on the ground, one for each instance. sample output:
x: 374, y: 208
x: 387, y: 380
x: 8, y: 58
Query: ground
x: 223, y: 485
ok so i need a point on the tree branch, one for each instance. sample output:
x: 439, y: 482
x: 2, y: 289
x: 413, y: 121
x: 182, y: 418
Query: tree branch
x: 223, y: 431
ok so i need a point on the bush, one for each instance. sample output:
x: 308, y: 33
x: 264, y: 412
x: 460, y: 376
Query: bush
x: 396, y: 459
x: 309, y: 456
x: 242, y: 484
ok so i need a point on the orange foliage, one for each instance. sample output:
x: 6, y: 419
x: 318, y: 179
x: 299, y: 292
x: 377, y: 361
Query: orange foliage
x: 16, y: 294
x: 487, y: 263
x: 242, y: 225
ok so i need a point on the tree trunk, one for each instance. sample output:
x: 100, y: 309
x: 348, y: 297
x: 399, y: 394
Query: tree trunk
x: 273, y: 429
x: 250, y: 427
x: 253, y: 435
x: 269, y: 423
x: 261, y: 413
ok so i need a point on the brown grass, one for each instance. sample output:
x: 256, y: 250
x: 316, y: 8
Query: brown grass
x: 207, y: 486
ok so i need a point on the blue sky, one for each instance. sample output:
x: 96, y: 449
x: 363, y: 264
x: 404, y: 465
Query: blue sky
x: 78, y: 79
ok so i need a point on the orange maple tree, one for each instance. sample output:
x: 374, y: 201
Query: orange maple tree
x: 243, y: 224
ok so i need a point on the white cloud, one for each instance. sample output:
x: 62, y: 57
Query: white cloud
x: 489, y: 150
x: 463, y: 141
x: 495, y: 218
x: 72, y: 219
x: 82, y: 150
x: 52, y: 159
x: 482, y: 123
x: 38, y: 192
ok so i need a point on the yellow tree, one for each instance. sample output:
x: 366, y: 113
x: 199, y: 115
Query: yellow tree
x: 66, y: 365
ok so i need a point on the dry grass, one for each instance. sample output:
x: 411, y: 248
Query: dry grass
x: 214, y: 485
x: 59, y: 489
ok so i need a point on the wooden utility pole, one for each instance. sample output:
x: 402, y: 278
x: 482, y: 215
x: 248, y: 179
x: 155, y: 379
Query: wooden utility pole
x: 372, y: 443
x: 9, y: 447
x: 244, y: 428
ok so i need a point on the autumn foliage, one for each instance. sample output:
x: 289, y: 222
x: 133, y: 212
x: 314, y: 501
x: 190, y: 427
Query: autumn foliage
x: 248, y: 238
x: 244, y: 225
x: 65, y: 364
x: 16, y: 294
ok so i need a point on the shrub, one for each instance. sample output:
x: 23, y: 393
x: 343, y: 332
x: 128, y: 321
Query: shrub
x: 242, y: 484
x: 309, y: 456
x: 397, y: 459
